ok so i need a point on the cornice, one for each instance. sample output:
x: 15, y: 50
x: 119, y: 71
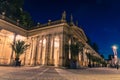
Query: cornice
x: 13, y: 28
x: 38, y: 30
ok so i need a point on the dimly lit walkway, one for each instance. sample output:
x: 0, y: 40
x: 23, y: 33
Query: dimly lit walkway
x: 51, y: 73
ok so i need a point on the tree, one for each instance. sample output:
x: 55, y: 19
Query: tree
x: 14, y: 10
x: 102, y: 56
x: 75, y: 48
x: 26, y: 20
x: 11, y: 7
x: 89, y: 41
x: 67, y: 63
x: 19, y: 47
x: 110, y: 56
x: 95, y: 47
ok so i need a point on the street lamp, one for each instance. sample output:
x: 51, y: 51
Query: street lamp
x: 115, y: 54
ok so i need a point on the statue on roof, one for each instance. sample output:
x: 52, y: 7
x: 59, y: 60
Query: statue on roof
x: 71, y: 20
x: 64, y: 15
x: 76, y: 23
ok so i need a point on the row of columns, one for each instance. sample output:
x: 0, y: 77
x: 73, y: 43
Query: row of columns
x: 7, y: 54
x: 45, y: 50
x: 82, y: 57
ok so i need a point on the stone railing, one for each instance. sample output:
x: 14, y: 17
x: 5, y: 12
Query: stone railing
x: 48, y: 24
x: 3, y: 17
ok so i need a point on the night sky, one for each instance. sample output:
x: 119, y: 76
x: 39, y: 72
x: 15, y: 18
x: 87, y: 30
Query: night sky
x: 100, y: 19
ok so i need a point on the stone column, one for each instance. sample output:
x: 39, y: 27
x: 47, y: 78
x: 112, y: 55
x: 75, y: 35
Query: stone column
x: 47, y: 53
x: 44, y: 51
x: 38, y: 50
x: 11, y: 58
x: 83, y: 57
x: 34, y: 45
x: 53, y: 48
x: 30, y: 53
x: 80, y: 58
x: 41, y: 50
x: 56, y: 51
x: 64, y: 55
x: 25, y: 55
x: 69, y: 49
x: 61, y: 57
x: 27, y: 52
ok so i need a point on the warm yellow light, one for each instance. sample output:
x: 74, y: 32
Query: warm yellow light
x: 56, y: 42
x: 19, y: 37
x: 44, y: 41
x: 11, y: 37
x: 40, y: 41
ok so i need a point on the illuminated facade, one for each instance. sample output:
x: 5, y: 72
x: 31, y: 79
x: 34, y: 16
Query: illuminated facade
x: 47, y: 42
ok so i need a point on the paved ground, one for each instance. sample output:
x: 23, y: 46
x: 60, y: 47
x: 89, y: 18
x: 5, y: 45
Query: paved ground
x: 51, y: 73
x: 91, y: 74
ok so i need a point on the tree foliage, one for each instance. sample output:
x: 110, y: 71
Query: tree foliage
x: 66, y: 48
x: 93, y: 44
x: 102, y: 56
x: 19, y: 47
x: 76, y: 48
x: 89, y: 41
x: 14, y: 10
x: 25, y: 19
x: 11, y: 7
x: 94, y: 58
x: 95, y: 47
x: 110, y: 56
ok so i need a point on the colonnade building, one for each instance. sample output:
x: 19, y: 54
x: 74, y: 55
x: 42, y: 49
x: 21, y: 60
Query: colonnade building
x: 47, y: 42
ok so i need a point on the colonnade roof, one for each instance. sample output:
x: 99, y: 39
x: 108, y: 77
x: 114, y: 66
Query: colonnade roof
x: 12, y: 21
x: 49, y: 23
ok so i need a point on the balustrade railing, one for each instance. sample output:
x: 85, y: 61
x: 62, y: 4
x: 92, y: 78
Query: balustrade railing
x: 3, y: 17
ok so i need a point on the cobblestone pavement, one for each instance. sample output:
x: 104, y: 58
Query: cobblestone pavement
x: 90, y: 74
x: 51, y: 73
x: 29, y: 73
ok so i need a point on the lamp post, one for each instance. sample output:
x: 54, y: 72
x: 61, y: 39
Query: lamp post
x: 114, y: 48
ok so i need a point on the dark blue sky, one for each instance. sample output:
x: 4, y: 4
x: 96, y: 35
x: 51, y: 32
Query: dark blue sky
x: 100, y: 19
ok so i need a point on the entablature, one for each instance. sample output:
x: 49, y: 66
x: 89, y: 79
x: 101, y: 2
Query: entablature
x: 11, y: 27
x: 58, y: 28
